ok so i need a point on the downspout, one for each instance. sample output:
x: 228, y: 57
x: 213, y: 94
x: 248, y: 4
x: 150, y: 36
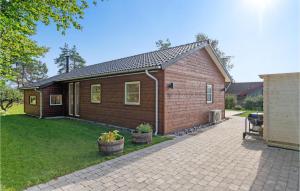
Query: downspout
x: 156, y: 100
x: 41, y: 103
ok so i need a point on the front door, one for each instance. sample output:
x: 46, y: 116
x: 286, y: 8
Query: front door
x: 74, y: 98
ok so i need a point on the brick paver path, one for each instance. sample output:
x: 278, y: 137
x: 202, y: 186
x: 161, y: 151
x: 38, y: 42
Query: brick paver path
x: 215, y: 159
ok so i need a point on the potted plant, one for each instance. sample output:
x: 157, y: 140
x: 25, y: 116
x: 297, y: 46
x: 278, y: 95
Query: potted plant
x: 142, y: 134
x: 111, y: 142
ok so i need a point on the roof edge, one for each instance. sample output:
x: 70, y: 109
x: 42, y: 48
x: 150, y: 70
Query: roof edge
x: 218, y: 62
x: 278, y: 74
x: 158, y: 67
x: 112, y: 73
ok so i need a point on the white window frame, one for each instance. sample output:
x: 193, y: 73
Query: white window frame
x: 211, y: 93
x: 71, y: 98
x: 30, y: 100
x: 95, y: 85
x: 56, y: 95
x: 132, y: 103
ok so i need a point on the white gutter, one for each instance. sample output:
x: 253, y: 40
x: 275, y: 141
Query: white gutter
x: 156, y: 100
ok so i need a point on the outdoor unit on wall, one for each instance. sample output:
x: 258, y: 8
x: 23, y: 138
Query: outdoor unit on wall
x: 215, y: 116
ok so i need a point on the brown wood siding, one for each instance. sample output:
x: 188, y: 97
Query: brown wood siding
x: 185, y: 105
x: 31, y: 109
x: 112, y: 108
x: 53, y: 110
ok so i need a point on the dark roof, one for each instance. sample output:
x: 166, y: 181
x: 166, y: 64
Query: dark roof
x: 150, y: 60
x: 243, y: 88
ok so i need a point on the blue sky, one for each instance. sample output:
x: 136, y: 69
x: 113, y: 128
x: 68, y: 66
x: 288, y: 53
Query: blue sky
x: 263, y: 36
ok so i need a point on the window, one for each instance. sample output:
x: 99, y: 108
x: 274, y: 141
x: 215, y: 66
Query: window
x: 55, y: 99
x: 209, y: 93
x: 32, y: 100
x: 132, y: 93
x: 96, y: 93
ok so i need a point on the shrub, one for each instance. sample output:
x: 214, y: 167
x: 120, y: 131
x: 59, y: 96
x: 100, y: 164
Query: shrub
x: 110, y: 136
x: 253, y: 103
x: 144, y: 128
x: 230, y: 101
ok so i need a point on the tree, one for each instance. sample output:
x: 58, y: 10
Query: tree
x: 19, y: 22
x: 8, y: 96
x: 76, y: 61
x: 225, y: 60
x: 160, y: 44
x: 30, y: 72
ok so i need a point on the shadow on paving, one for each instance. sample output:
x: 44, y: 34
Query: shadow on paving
x: 278, y: 168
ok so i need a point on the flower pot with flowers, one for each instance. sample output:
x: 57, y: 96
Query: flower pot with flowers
x: 142, y: 134
x: 111, y: 142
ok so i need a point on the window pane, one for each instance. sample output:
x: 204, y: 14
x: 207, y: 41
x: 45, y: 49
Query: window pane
x: 209, y: 95
x: 133, y: 93
x: 96, y: 93
x: 32, y: 100
x: 55, y: 100
x: 133, y: 98
x: 96, y: 89
x: 96, y: 97
x: 133, y: 88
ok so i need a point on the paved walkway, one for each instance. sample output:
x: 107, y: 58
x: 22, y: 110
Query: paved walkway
x: 215, y: 159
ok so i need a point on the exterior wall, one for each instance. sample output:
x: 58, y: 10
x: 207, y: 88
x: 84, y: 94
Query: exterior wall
x: 185, y: 105
x: 53, y: 110
x: 31, y: 109
x: 112, y: 109
x: 281, y: 109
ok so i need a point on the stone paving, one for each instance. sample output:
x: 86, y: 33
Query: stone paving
x: 215, y: 159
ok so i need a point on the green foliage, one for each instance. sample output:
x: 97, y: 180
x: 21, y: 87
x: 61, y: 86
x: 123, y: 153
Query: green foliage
x: 111, y: 136
x: 76, y: 61
x: 253, y: 103
x: 30, y: 72
x: 230, y: 101
x: 37, y: 150
x: 19, y: 22
x: 225, y: 60
x: 9, y: 96
x: 160, y: 44
x: 144, y: 128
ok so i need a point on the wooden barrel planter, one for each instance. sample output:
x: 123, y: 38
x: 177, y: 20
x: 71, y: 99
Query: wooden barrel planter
x: 142, y: 138
x: 111, y: 148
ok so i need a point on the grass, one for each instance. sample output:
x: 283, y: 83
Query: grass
x: 37, y: 150
x: 245, y: 113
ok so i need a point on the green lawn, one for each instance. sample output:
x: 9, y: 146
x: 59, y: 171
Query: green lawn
x: 245, y: 112
x: 38, y: 150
